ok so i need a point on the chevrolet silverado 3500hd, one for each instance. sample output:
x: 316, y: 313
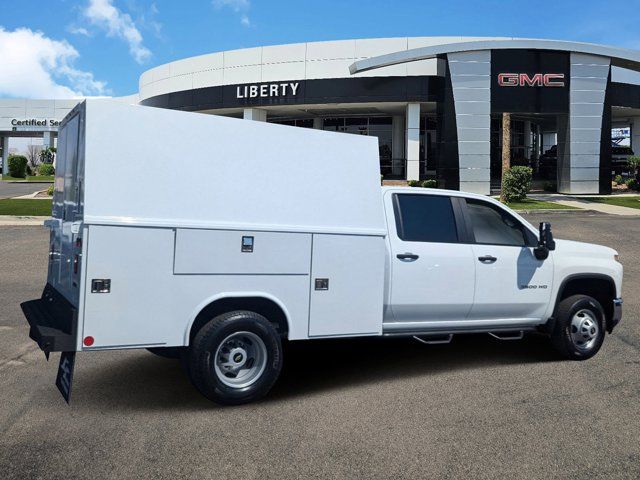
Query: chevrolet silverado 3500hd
x: 284, y: 234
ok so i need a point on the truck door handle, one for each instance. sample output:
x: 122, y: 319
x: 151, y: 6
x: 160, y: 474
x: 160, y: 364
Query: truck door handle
x: 407, y: 256
x: 487, y: 259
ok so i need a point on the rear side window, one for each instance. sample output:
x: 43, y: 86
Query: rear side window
x: 425, y: 218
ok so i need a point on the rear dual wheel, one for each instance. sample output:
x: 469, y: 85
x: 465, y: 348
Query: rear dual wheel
x: 235, y: 358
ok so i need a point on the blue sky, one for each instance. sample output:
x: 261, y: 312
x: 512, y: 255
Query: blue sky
x: 64, y: 48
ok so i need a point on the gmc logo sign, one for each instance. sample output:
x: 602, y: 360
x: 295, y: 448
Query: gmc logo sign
x: 535, y: 80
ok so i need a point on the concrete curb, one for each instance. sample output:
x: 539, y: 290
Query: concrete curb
x: 32, y: 196
x: 557, y: 210
x: 17, y: 221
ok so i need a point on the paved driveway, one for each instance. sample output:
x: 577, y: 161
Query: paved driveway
x: 372, y: 409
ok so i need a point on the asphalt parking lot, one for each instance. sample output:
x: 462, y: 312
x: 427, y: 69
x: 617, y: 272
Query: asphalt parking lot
x: 11, y: 189
x: 476, y: 408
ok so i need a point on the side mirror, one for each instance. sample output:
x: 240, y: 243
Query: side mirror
x: 546, y: 237
x: 545, y: 242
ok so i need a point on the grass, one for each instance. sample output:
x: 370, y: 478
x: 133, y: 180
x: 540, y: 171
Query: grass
x: 531, y: 204
x: 25, y: 207
x: 34, y: 178
x: 630, y: 201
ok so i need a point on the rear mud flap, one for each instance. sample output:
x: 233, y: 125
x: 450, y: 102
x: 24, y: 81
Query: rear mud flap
x: 64, y: 379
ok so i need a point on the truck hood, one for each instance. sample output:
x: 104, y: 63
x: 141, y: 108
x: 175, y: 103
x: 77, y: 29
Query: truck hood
x: 565, y: 247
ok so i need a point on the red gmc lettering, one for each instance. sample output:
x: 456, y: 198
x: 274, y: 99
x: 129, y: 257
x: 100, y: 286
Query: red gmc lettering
x: 535, y: 80
x: 554, y: 80
x: 508, y: 79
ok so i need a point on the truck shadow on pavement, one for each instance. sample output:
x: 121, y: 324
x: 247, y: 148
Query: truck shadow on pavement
x: 142, y: 381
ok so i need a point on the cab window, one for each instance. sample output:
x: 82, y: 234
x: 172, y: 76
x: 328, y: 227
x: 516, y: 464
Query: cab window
x: 493, y: 225
x: 425, y: 218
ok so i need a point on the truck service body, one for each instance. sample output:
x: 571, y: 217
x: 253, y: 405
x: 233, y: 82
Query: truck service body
x: 226, y: 237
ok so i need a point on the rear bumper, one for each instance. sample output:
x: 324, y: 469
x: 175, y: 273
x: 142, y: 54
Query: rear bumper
x: 53, y: 321
x: 617, y: 314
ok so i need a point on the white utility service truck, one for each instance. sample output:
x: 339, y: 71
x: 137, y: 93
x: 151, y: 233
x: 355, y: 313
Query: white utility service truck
x: 214, y: 240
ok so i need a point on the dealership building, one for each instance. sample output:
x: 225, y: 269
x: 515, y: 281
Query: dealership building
x: 434, y: 103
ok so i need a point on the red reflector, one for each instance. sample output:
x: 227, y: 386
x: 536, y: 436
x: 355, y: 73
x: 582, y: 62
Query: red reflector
x: 78, y: 243
x: 88, y: 341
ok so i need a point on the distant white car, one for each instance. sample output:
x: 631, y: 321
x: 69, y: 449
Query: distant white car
x: 285, y: 234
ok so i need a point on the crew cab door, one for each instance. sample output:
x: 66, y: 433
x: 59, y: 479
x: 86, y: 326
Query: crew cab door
x: 432, y: 273
x: 510, y: 282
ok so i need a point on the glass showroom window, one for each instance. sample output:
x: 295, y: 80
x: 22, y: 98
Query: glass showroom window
x: 304, y: 122
x: 380, y: 127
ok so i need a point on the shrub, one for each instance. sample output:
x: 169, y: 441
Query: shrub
x: 634, y: 166
x: 516, y: 183
x: 550, y: 187
x: 50, y: 191
x: 429, y: 184
x: 413, y: 183
x: 618, y: 180
x: 29, y: 170
x: 632, y: 184
x: 18, y: 166
x: 46, y: 169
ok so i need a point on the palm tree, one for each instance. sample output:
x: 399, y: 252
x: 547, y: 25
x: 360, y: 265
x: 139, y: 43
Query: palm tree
x: 506, y: 149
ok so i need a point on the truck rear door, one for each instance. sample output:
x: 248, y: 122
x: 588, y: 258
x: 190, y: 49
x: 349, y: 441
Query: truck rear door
x: 65, y: 238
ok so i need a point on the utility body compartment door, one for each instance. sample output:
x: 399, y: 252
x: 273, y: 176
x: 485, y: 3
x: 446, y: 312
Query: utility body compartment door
x: 347, y: 285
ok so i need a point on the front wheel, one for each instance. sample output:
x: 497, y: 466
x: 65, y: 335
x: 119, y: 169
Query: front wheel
x: 235, y: 358
x: 579, y: 329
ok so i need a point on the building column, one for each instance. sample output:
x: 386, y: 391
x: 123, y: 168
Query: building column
x: 397, y: 145
x: 47, y: 139
x: 527, y: 139
x: 635, y: 135
x: 317, y: 123
x: 257, y: 114
x: 579, y: 164
x: 5, y: 155
x: 471, y: 84
x: 413, y: 141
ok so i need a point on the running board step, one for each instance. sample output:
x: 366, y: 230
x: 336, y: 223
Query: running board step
x: 434, y: 339
x: 507, y: 335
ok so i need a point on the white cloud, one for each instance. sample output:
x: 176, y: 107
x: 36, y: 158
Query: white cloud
x: 238, y: 6
x: 78, y: 30
x: 35, y: 66
x: 103, y: 14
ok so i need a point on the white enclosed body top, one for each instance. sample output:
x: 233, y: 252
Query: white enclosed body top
x: 149, y: 166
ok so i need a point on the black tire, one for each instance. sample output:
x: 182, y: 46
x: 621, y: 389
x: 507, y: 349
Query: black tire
x: 566, y: 338
x: 209, y: 378
x: 173, y: 353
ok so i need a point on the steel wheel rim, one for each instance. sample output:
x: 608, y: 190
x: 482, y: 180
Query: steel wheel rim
x: 240, y: 359
x: 584, y: 330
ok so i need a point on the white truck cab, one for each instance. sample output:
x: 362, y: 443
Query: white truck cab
x: 262, y: 245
